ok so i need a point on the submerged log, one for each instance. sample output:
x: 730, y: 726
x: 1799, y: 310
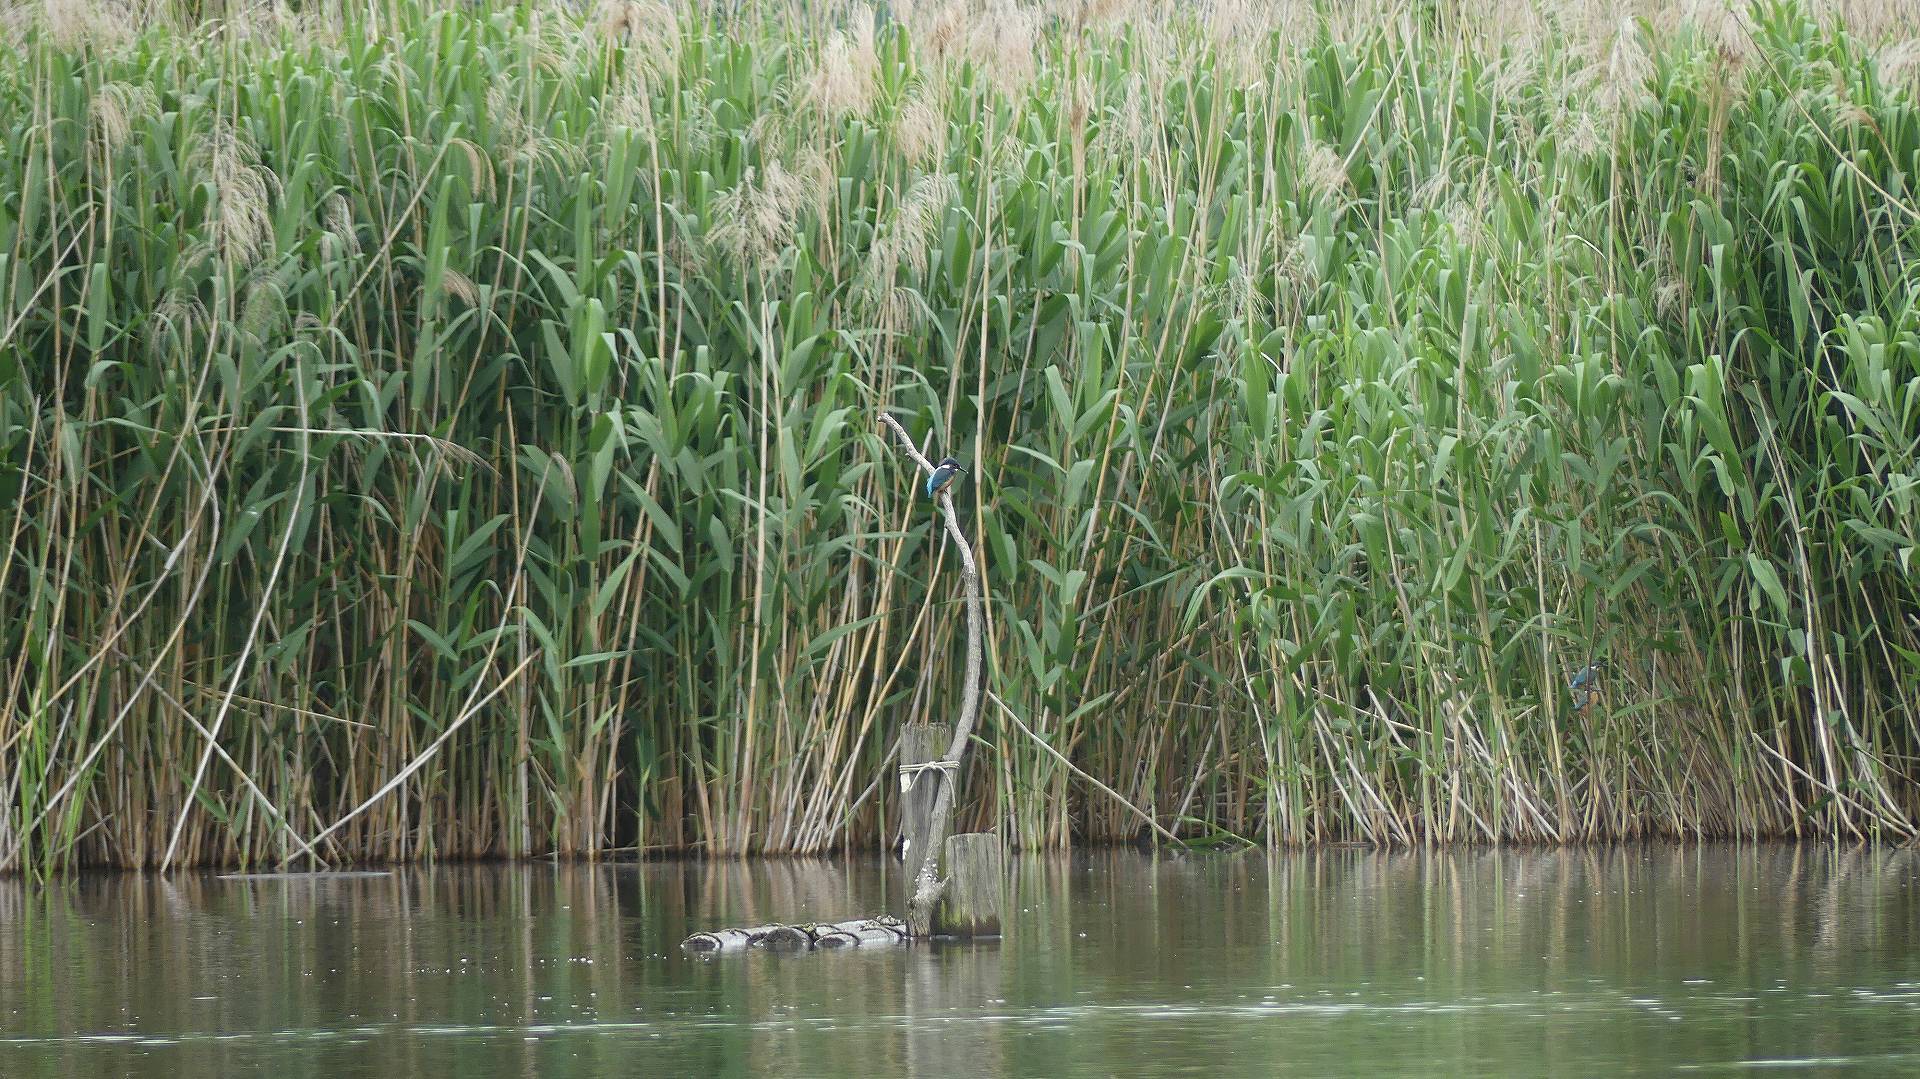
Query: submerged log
x: 324, y: 875
x: 970, y: 904
x: 856, y: 933
x: 784, y: 938
x: 861, y: 933
x: 730, y: 940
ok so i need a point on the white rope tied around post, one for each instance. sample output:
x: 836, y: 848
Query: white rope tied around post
x: 910, y: 773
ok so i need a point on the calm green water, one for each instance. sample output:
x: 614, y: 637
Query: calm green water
x: 1590, y: 962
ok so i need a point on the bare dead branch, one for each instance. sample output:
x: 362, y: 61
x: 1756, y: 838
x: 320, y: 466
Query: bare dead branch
x: 928, y: 886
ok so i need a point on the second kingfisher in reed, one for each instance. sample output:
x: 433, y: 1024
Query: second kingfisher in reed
x: 1586, y: 683
x: 943, y: 474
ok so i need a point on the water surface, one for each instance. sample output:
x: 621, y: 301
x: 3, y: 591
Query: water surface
x: 1641, y: 960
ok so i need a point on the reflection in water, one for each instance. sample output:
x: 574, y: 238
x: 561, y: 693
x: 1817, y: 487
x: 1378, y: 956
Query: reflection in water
x: 1608, y: 960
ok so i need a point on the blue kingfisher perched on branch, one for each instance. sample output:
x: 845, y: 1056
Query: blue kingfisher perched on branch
x: 943, y: 474
x: 1586, y: 683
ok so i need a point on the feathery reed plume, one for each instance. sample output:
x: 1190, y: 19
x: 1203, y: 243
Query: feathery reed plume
x: 903, y: 246
x: 1667, y: 296
x: 18, y: 19
x: 318, y: 24
x: 1434, y: 192
x: 460, y: 287
x: 1507, y: 73
x: 265, y: 307
x: 1623, y: 86
x: 1321, y: 171
x: 1511, y: 30
x: 756, y: 219
x: 1362, y: 19
x: 1850, y: 115
x: 919, y: 129
x: 340, y: 238
x: 526, y: 142
x: 937, y: 35
x: 1875, y: 22
x: 816, y: 168
x: 1298, y: 266
x: 240, y: 214
x: 117, y: 108
x: 1467, y: 220
x: 767, y: 131
x: 479, y: 166
x: 847, y: 74
x: 1726, y: 25
x: 628, y: 104
x: 1899, y: 63
x: 173, y: 323
x: 265, y: 21
x: 1159, y: 52
x: 1244, y: 34
x: 556, y: 41
x: 1086, y: 14
x: 73, y: 24
x: 1003, y: 41
x: 1241, y: 294
x: 651, y: 31
x: 1580, y: 131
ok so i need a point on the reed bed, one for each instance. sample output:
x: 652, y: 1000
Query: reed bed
x: 449, y: 430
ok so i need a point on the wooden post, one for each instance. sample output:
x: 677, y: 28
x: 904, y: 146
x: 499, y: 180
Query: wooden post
x: 920, y: 744
x: 970, y: 904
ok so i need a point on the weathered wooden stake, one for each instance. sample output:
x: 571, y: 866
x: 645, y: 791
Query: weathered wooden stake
x: 970, y: 905
x: 920, y: 744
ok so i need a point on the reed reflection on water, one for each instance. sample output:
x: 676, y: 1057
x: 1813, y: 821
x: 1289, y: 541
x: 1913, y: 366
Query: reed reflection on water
x: 1607, y: 960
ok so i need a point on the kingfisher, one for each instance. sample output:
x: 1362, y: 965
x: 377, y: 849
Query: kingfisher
x: 943, y: 474
x: 1585, y: 683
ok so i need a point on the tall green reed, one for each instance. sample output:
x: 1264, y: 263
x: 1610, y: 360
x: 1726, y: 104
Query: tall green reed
x: 448, y: 431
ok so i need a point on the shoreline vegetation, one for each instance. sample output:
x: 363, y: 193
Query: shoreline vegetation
x: 448, y: 431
